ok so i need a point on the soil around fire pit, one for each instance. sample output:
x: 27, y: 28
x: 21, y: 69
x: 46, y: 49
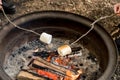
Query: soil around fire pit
x: 92, y: 9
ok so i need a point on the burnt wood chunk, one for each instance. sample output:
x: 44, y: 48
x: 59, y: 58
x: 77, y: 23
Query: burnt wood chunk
x: 24, y: 75
x: 41, y: 54
x: 44, y: 54
x: 41, y: 62
x: 74, y: 49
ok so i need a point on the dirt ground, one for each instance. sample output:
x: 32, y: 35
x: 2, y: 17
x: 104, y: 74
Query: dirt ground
x: 92, y: 9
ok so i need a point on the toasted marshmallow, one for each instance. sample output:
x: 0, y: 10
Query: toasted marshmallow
x: 64, y: 50
x: 46, y: 38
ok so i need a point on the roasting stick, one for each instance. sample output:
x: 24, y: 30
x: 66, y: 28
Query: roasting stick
x: 92, y: 27
x: 66, y: 49
x: 28, y: 30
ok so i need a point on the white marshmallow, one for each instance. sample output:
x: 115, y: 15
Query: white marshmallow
x: 64, y: 50
x: 46, y: 38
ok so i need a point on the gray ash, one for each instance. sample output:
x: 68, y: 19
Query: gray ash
x: 85, y: 61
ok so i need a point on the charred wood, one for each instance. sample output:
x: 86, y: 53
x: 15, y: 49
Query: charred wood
x: 26, y: 75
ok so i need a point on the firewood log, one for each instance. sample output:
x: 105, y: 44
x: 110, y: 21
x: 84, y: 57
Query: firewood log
x: 41, y: 62
x: 24, y: 75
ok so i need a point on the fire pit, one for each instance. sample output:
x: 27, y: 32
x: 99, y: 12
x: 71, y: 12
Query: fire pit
x: 22, y: 55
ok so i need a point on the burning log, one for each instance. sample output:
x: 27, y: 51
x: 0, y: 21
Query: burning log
x: 48, y: 74
x: 48, y: 66
x: 40, y: 68
x: 70, y: 75
x: 53, y: 66
x: 25, y: 75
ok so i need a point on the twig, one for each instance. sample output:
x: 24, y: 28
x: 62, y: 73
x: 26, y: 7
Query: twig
x: 28, y: 30
x: 92, y: 27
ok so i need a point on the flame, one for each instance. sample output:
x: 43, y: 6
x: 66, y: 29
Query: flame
x: 72, y: 76
x: 47, y: 74
x: 62, y: 61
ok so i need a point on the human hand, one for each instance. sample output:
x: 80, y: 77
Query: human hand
x: 0, y: 4
x: 117, y: 9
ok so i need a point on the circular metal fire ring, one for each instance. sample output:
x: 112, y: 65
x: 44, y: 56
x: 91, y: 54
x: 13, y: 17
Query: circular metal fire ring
x: 99, y: 41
